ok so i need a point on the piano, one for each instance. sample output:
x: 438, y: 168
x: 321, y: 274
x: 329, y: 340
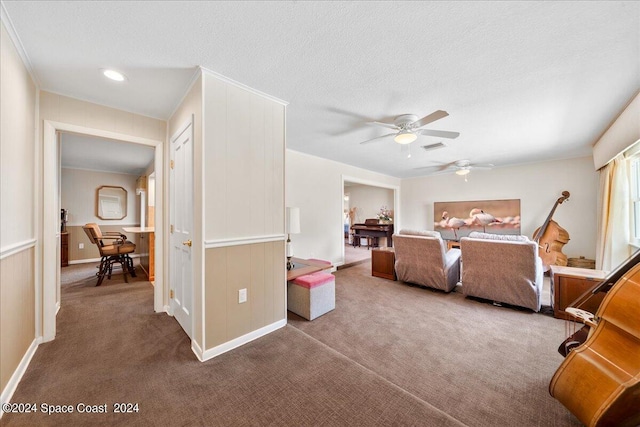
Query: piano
x: 371, y: 228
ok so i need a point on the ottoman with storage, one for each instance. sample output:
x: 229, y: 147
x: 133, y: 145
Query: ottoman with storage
x: 312, y: 295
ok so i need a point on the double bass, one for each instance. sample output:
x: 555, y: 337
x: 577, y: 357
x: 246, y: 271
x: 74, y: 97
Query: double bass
x: 599, y: 380
x: 551, y: 238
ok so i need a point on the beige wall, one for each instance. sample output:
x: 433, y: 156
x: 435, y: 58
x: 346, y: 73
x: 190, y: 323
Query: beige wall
x: 191, y: 106
x: 238, y: 187
x: 17, y: 207
x: 315, y: 186
x: 17, y: 311
x: 538, y: 186
x: 258, y: 268
x: 17, y: 149
x: 368, y: 200
x: 244, y: 154
x: 78, y: 195
x: 63, y: 109
x: 243, y: 199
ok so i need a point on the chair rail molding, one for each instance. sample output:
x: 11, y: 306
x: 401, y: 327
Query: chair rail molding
x: 16, y: 248
x: 220, y: 243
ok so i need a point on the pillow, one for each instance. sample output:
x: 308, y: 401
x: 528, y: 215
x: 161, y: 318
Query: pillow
x: 426, y: 233
x: 507, y: 237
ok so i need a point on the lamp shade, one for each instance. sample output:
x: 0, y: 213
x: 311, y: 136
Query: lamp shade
x: 293, y: 221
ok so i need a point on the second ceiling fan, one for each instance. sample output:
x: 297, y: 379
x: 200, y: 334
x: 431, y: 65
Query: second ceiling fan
x: 407, y: 127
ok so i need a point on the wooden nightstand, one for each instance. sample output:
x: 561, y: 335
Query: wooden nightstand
x: 568, y: 284
x: 383, y: 263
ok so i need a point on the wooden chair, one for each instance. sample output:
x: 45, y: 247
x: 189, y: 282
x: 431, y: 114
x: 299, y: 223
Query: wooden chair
x: 114, y: 249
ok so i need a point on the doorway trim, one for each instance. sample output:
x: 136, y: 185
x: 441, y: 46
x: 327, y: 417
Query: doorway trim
x: 396, y: 203
x: 51, y: 216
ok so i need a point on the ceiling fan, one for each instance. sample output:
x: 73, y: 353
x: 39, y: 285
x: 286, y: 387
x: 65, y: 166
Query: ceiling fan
x: 407, y: 128
x: 459, y: 167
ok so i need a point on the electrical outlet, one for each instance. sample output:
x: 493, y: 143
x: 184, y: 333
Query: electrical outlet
x: 242, y: 296
x: 80, y: 245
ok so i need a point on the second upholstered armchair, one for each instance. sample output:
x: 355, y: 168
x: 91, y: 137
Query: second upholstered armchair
x: 422, y: 259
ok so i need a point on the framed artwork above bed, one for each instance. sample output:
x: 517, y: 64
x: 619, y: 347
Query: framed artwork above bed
x: 458, y: 219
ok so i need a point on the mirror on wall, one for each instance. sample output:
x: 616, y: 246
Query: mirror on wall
x: 111, y: 202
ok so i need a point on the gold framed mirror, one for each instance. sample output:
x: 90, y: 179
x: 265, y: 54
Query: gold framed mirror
x: 111, y: 202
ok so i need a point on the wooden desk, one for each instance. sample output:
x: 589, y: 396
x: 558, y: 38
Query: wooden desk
x: 568, y: 284
x: 302, y: 267
x: 146, y: 249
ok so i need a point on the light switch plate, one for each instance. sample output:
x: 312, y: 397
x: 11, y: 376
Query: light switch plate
x: 80, y: 245
x: 242, y: 296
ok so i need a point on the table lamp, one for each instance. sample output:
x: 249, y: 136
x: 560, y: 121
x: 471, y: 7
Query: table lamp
x: 293, y: 227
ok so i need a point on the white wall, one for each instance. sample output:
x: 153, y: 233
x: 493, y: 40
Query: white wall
x: 315, y: 186
x: 368, y: 200
x: 79, y: 195
x: 538, y: 186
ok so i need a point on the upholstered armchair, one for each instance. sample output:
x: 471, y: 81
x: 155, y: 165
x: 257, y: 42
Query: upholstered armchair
x: 422, y: 259
x: 502, y: 268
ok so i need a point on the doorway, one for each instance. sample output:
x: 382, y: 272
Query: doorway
x: 50, y: 297
x: 118, y: 170
x: 365, y: 200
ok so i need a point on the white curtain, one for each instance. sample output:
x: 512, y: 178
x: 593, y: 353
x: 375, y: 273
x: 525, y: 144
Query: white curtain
x: 614, y: 221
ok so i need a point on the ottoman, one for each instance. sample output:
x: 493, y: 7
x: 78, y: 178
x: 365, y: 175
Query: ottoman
x: 312, y: 295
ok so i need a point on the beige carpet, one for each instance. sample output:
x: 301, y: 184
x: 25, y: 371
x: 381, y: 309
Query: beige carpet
x: 389, y: 354
x: 482, y: 364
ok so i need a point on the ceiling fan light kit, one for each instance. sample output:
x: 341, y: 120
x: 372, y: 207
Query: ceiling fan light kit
x: 405, y: 137
x: 462, y: 171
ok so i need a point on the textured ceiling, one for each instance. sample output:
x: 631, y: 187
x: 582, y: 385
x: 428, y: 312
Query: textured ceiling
x: 107, y: 155
x: 522, y: 81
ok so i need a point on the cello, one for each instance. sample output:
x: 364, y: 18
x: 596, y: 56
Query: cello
x: 550, y: 238
x: 599, y: 381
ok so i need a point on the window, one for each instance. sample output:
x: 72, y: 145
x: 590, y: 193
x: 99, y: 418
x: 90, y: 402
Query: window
x: 634, y: 174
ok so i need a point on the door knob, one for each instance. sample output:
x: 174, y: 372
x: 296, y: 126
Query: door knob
x: 187, y: 243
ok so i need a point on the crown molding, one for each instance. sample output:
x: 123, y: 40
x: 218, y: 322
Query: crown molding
x: 8, y: 24
x: 242, y: 86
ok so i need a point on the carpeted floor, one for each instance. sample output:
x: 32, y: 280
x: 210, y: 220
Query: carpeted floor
x: 390, y: 354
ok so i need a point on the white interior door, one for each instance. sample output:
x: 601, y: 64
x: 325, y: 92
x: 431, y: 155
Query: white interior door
x: 181, y: 196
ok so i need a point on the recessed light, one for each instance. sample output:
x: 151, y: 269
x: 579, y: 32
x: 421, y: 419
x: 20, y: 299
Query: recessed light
x: 113, y: 75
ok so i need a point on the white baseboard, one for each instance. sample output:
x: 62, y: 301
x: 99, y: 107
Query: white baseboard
x: 8, y: 391
x: 196, y: 350
x: 237, y: 342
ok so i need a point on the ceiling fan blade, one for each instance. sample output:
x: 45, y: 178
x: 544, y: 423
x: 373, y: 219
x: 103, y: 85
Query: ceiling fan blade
x: 377, y: 138
x: 443, y: 171
x: 387, y: 125
x: 439, y: 133
x: 436, y: 115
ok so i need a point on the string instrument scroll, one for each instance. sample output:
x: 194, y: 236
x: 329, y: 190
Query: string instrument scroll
x: 551, y: 238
